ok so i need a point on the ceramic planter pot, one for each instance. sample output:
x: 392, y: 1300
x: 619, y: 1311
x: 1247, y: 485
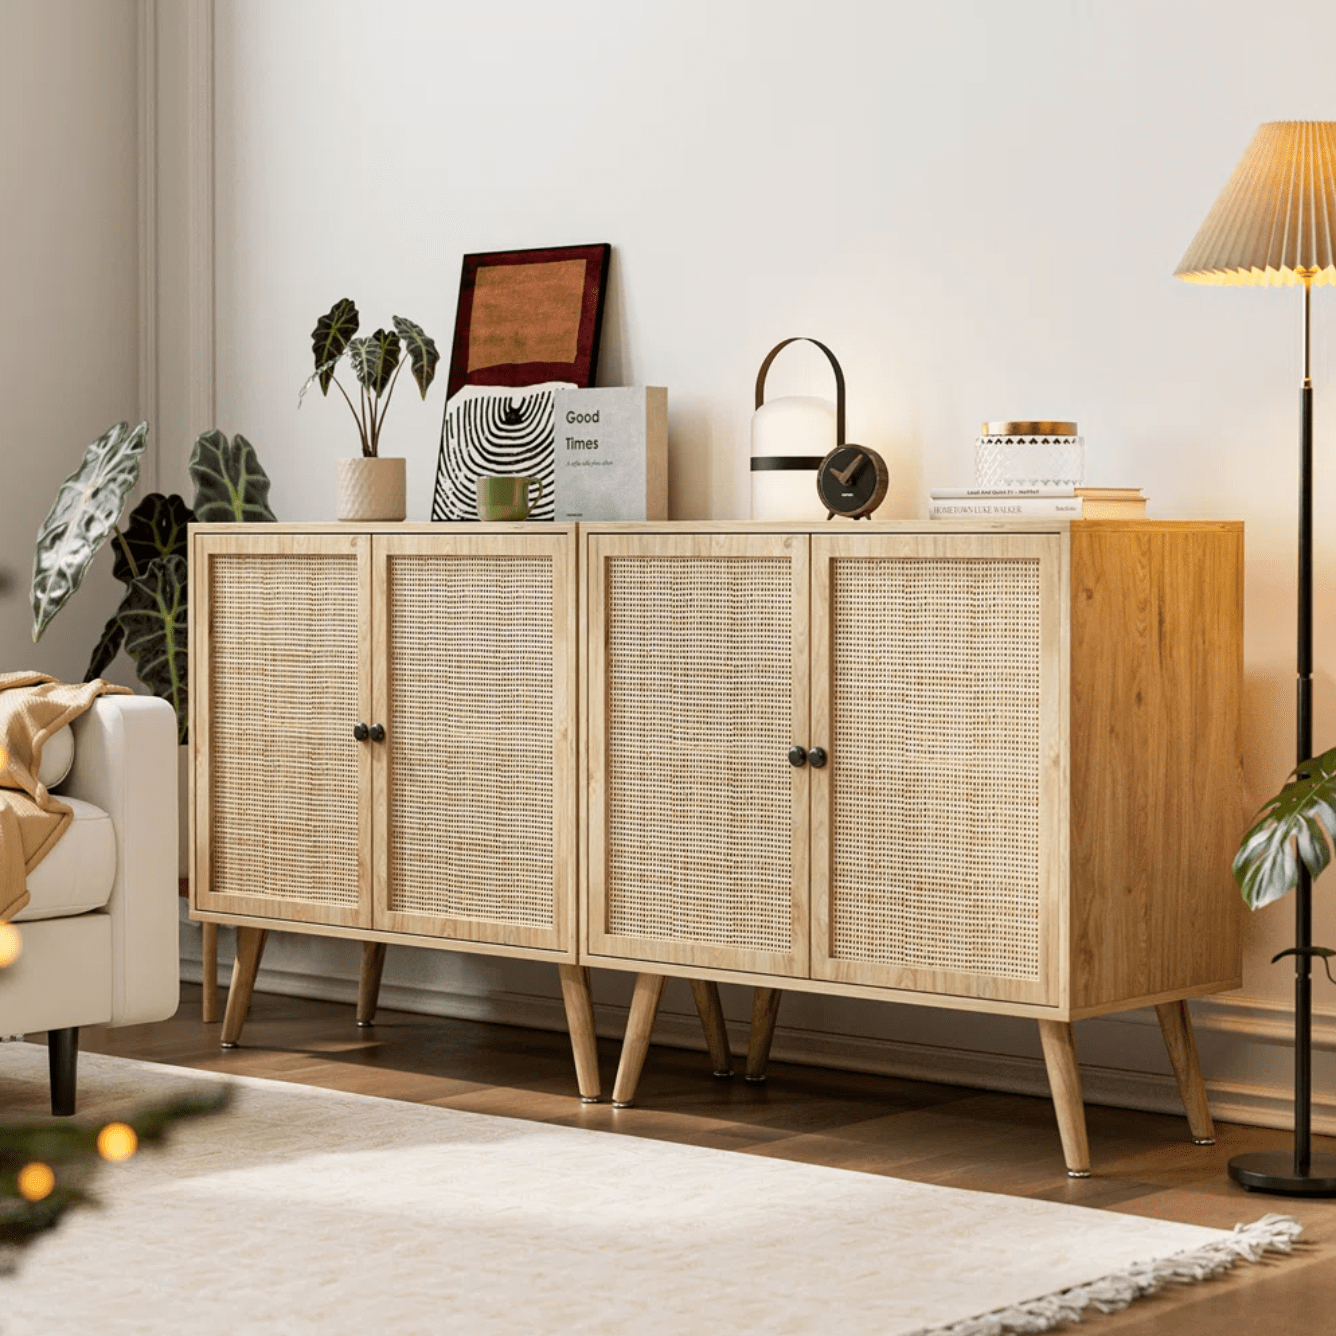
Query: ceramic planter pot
x: 371, y: 488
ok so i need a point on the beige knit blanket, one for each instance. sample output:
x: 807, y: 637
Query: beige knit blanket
x: 32, y: 708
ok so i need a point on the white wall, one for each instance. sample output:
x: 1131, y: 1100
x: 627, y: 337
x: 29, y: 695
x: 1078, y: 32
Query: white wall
x: 68, y: 238
x: 978, y: 206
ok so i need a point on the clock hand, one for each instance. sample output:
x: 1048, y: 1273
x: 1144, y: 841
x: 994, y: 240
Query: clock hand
x: 846, y: 477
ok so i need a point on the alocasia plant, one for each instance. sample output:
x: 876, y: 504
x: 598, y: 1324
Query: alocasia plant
x: 1298, y: 823
x: 149, y: 551
x: 377, y: 359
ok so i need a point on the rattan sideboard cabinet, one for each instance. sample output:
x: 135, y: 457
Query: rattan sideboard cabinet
x: 996, y: 769
x: 384, y: 744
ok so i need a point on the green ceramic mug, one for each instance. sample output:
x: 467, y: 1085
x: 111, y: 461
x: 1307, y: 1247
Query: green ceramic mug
x: 507, y: 498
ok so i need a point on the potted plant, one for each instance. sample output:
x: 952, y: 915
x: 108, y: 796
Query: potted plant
x: 149, y: 551
x: 1288, y: 846
x: 370, y: 487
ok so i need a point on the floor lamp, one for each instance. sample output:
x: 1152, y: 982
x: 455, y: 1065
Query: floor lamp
x: 1275, y: 223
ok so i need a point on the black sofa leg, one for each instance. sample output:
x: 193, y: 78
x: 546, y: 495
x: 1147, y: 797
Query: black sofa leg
x: 62, y: 1051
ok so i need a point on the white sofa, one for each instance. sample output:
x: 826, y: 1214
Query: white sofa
x: 100, y: 931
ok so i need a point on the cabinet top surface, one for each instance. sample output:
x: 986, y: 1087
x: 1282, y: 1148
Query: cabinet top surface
x: 837, y: 526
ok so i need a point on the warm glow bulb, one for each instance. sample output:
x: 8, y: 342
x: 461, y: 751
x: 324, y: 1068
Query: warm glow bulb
x: 36, y: 1181
x: 117, y: 1142
x: 11, y: 944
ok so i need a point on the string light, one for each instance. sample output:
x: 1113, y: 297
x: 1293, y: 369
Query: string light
x: 11, y: 944
x: 117, y: 1142
x: 36, y: 1180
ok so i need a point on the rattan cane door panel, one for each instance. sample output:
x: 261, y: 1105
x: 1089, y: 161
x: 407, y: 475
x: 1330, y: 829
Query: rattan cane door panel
x: 281, y: 675
x: 697, y: 688
x: 476, y: 801
x: 938, y: 833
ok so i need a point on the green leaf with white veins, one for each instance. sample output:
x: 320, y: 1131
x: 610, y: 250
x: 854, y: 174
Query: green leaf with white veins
x: 83, y: 517
x: 156, y: 528
x: 421, y: 351
x: 107, y: 647
x: 153, y: 615
x: 374, y: 359
x: 230, y: 485
x: 1298, y: 823
x: 330, y: 337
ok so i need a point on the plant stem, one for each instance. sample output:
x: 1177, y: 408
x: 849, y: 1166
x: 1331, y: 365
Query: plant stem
x: 368, y: 443
x: 125, y: 547
x: 351, y: 409
x: 385, y: 402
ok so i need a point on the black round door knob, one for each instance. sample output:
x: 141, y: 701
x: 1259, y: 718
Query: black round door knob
x: 361, y: 732
x: 797, y: 756
x: 817, y: 758
x: 377, y: 732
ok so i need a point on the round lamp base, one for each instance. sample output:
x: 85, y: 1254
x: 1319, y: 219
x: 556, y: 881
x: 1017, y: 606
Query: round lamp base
x: 1273, y: 1171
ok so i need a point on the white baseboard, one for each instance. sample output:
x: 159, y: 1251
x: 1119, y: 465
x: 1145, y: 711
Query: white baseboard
x: 1253, y: 1019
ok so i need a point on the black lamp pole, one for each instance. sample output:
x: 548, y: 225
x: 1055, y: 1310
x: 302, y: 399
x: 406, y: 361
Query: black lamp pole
x: 1308, y: 1175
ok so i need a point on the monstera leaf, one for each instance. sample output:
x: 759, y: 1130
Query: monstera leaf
x: 156, y: 528
x: 230, y: 485
x: 153, y: 616
x: 1299, y: 822
x: 108, y: 643
x: 374, y: 359
x: 330, y: 337
x: 83, y: 516
x: 421, y: 351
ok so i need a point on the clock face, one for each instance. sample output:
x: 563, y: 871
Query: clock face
x: 852, y: 480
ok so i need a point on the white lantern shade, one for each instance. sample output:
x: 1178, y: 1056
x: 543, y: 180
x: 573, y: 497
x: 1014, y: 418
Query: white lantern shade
x: 789, y: 438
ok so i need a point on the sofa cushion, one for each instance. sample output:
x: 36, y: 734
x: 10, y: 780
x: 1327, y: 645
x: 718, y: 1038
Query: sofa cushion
x: 57, y: 757
x: 78, y: 874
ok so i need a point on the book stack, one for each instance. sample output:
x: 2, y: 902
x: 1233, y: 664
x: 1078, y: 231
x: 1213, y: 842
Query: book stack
x: 1040, y: 503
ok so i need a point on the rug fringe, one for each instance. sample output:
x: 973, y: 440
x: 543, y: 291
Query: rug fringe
x: 1272, y: 1233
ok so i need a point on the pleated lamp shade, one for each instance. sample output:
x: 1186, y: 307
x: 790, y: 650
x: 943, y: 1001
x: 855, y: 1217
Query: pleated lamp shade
x: 1275, y: 220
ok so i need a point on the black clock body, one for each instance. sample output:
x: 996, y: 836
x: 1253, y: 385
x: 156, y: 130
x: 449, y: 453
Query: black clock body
x: 852, y: 481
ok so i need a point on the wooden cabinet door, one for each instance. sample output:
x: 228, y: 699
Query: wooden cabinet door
x: 280, y: 676
x: 475, y: 804
x: 697, y: 824
x: 938, y: 839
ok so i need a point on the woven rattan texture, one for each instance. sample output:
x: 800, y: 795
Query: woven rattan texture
x: 935, y: 764
x: 471, y: 738
x: 700, y: 820
x: 283, y: 644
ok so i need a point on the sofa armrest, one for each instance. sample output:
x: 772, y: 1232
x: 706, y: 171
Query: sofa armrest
x: 125, y: 762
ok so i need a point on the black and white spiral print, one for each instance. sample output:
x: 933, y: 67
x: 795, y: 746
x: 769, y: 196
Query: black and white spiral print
x: 499, y: 433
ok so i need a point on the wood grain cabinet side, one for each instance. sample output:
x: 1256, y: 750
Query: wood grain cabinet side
x: 1030, y: 767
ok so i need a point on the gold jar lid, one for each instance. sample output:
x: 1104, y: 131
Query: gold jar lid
x: 1029, y: 429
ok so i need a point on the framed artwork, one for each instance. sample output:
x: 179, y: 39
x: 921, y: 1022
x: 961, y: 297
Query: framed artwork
x: 529, y: 316
x: 492, y: 432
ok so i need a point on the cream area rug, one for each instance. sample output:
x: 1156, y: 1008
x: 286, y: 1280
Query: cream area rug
x: 303, y: 1210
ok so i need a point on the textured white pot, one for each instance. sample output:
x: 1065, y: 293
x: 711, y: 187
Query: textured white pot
x: 371, y: 489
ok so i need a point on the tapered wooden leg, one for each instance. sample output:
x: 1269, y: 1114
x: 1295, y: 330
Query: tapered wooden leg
x: 579, y: 1001
x: 1064, y: 1079
x: 209, y: 969
x: 1176, y: 1026
x: 639, y: 1027
x: 368, y: 981
x: 250, y: 948
x: 62, y: 1056
x: 765, y: 1011
x: 706, y: 993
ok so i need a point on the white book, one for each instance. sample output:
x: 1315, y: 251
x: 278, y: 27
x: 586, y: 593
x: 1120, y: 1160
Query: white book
x: 611, y: 453
x: 1004, y: 508
x: 963, y: 493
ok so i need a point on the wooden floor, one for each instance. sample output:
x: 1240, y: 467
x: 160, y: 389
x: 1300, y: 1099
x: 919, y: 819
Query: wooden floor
x: 1144, y: 1163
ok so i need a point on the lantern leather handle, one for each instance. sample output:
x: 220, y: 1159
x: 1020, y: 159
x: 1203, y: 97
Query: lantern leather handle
x: 835, y: 366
